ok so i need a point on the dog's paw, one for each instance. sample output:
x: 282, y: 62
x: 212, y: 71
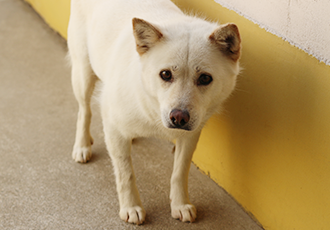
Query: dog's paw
x: 185, y: 212
x: 82, y: 154
x: 133, y: 215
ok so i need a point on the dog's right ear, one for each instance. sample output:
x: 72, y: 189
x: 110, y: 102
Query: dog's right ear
x: 146, y: 35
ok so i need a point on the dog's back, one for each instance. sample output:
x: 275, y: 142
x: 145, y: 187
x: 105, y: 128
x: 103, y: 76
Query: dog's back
x: 99, y: 22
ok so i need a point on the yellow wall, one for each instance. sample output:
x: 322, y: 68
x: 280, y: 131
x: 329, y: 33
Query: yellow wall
x: 55, y: 12
x: 270, y: 149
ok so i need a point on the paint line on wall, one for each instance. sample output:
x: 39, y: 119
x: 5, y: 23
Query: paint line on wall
x: 285, y: 24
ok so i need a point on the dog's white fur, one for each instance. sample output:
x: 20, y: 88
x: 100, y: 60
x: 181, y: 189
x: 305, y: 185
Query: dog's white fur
x: 135, y: 101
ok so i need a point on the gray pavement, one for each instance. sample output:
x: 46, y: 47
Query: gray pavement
x: 41, y: 187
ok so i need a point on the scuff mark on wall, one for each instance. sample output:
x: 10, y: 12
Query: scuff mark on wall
x: 288, y: 18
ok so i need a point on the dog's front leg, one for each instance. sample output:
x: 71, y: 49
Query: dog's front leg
x: 119, y: 148
x: 180, y: 205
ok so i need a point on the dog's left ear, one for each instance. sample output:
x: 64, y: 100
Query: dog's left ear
x: 228, y: 40
x: 146, y: 35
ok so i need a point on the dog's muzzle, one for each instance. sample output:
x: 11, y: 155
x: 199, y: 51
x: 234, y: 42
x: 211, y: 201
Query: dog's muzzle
x: 179, y: 119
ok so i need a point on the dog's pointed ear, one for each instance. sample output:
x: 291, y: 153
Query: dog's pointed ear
x: 146, y: 35
x: 228, y: 40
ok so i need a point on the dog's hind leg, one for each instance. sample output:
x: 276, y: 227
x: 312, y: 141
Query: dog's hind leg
x: 83, y: 83
x: 181, y: 207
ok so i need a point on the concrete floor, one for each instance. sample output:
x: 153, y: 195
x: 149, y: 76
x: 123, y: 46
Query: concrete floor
x: 41, y: 187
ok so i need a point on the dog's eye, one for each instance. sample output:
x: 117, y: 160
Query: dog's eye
x: 166, y: 75
x: 204, y: 79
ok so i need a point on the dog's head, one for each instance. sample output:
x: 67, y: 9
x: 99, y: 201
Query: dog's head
x: 188, y: 68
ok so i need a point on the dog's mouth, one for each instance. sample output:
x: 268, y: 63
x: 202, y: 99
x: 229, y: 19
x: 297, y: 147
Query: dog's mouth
x: 187, y: 128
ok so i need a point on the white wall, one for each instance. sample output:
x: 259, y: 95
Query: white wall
x: 303, y: 23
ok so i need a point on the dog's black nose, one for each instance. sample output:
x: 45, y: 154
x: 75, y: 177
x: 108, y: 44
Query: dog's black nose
x: 179, y: 118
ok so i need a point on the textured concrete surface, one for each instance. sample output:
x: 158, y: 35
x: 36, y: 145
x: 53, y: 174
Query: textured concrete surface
x: 41, y: 187
x: 301, y: 23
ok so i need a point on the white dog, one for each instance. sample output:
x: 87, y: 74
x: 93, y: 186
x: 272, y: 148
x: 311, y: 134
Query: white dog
x: 163, y: 74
